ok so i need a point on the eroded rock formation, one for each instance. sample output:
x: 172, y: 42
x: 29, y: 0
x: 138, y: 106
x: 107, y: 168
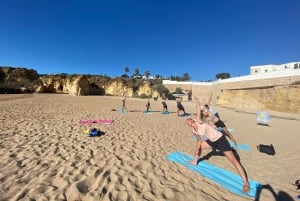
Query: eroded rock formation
x: 18, y: 80
x: 74, y: 85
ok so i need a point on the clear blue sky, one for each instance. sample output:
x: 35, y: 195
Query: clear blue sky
x: 165, y: 37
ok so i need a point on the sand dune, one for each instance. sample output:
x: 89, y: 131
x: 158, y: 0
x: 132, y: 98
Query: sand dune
x: 46, y: 156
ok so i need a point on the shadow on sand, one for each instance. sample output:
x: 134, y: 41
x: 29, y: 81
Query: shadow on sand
x: 280, y: 196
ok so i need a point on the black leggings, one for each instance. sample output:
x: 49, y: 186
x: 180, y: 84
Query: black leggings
x: 221, y: 144
x: 220, y: 124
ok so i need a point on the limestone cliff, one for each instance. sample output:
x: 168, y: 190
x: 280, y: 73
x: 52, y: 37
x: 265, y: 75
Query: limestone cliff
x: 280, y: 98
x: 18, y: 80
x: 74, y: 85
x: 130, y: 89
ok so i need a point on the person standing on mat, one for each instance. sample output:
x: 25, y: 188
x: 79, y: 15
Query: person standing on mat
x: 210, y: 108
x: 214, y: 139
x: 214, y: 121
x: 148, y: 106
x: 180, y: 108
x: 165, y: 106
x: 124, y: 105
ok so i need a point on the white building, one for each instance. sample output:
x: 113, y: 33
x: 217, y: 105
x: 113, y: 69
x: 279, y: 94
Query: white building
x: 272, y: 68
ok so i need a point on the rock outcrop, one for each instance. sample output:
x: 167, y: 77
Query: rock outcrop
x: 18, y: 80
x: 74, y: 85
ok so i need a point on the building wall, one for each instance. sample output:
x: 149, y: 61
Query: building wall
x: 252, y: 91
x: 272, y: 68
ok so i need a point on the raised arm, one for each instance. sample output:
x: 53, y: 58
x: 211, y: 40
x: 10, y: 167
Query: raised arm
x: 209, y: 99
x: 198, y: 107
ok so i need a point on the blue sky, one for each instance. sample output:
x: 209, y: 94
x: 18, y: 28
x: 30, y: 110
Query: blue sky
x: 165, y: 37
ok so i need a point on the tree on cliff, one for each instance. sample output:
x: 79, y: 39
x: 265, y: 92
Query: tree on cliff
x: 222, y: 76
x: 126, y: 70
x: 184, y: 77
x: 136, y: 71
x: 147, y: 73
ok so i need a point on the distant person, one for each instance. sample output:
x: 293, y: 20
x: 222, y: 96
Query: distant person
x: 210, y: 107
x: 124, y: 105
x: 180, y: 108
x: 148, y: 109
x: 216, y: 140
x: 165, y: 106
x: 212, y: 119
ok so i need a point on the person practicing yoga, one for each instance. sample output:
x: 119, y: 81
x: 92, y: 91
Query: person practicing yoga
x: 214, y: 121
x: 214, y: 139
x: 180, y: 108
x: 211, y: 108
x: 124, y: 105
x: 148, y: 106
x: 165, y: 106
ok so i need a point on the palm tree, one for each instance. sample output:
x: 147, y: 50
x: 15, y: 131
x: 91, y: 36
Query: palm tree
x: 126, y: 70
x: 147, y: 73
x: 136, y: 71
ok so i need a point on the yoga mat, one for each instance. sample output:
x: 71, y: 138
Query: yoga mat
x: 226, y: 179
x: 244, y: 147
x: 184, y: 115
x: 231, y: 130
x: 122, y: 111
x: 149, y: 112
x: 96, y: 121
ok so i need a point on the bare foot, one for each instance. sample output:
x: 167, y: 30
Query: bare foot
x: 246, y: 188
x: 193, y: 162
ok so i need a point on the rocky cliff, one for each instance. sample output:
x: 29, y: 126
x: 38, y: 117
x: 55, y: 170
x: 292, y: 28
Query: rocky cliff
x: 18, y: 80
x: 21, y: 80
x: 74, y: 85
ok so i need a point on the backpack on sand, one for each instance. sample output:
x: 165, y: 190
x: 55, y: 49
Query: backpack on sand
x: 268, y: 149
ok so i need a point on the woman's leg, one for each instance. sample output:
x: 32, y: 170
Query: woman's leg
x: 197, y: 153
x: 230, y: 156
x: 230, y: 136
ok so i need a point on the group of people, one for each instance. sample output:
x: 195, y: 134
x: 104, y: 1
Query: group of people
x: 164, y: 104
x: 180, y: 107
x: 204, y: 128
x: 210, y: 132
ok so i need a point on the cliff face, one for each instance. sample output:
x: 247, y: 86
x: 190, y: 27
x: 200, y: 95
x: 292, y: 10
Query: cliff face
x: 119, y: 88
x: 280, y: 98
x: 18, y: 80
x: 74, y: 85
x: 22, y: 80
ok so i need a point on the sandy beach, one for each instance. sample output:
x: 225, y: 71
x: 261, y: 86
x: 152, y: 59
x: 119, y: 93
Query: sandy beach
x: 45, y: 154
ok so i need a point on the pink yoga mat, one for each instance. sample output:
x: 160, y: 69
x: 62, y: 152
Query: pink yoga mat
x: 96, y: 121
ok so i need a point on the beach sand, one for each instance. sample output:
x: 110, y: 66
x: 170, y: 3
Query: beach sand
x: 46, y: 156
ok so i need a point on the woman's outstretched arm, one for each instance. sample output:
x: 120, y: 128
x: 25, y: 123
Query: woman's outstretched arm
x: 198, y: 107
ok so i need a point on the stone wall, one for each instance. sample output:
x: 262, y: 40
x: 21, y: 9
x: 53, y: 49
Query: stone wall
x: 276, y: 93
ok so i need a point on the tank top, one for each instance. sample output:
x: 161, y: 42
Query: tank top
x: 207, y: 131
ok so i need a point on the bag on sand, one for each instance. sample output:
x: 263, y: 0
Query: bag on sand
x: 268, y: 149
x: 297, y: 183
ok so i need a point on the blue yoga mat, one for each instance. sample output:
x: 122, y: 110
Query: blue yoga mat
x: 228, y: 180
x: 184, y: 115
x: 244, y: 147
